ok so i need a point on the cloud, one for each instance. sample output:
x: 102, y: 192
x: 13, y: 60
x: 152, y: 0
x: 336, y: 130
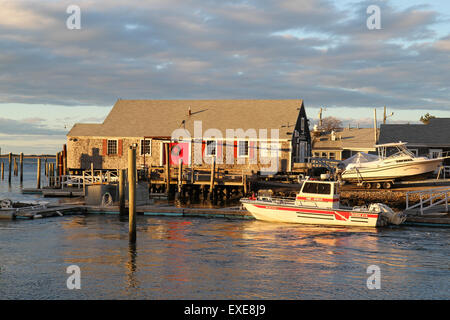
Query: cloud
x: 30, y: 126
x: 308, y: 49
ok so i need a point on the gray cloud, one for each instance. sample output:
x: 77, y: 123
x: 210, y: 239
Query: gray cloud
x: 306, y: 49
x: 27, y: 127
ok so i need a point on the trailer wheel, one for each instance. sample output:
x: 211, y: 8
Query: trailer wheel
x: 367, y: 185
x: 387, y: 185
x: 377, y: 185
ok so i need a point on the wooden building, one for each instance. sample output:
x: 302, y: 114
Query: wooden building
x: 238, y: 134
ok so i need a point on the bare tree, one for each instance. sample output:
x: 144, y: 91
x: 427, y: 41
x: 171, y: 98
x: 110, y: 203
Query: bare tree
x: 331, y: 123
x: 426, y: 118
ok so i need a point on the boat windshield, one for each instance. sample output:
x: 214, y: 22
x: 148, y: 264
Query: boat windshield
x: 317, y: 188
x: 401, y: 151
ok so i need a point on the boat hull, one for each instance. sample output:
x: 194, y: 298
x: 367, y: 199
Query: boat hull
x: 308, y: 215
x: 402, y: 171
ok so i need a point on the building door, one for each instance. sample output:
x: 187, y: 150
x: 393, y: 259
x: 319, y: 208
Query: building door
x: 177, y: 151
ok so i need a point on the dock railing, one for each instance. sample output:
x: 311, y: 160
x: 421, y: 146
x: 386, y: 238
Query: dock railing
x: 88, y: 178
x: 428, y: 199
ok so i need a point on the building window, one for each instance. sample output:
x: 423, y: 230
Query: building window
x: 435, y: 153
x: 146, y: 147
x: 211, y: 146
x: 332, y: 155
x: 317, y: 154
x: 302, y: 124
x: 415, y: 152
x: 243, y: 148
x: 112, y: 147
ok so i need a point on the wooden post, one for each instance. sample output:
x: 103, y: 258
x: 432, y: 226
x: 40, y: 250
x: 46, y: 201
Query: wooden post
x: 9, y: 164
x: 51, y: 174
x: 21, y: 167
x: 244, y: 181
x: 64, y: 162
x: 166, y: 152
x: 213, y: 174
x: 132, y: 194
x: 38, y: 179
x: 3, y: 170
x: 16, y: 168
x: 56, y: 169
x: 180, y: 175
x: 92, y: 172
x: 122, y: 192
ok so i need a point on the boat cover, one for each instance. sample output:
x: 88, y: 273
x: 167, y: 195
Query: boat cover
x: 357, y: 159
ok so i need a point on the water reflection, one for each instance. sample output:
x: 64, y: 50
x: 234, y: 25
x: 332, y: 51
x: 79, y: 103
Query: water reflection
x: 132, y: 266
x: 194, y: 258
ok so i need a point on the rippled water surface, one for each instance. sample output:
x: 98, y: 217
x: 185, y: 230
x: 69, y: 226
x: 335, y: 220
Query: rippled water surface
x: 194, y: 258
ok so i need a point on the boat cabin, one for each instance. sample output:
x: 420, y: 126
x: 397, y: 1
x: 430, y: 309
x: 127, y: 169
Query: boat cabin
x: 320, y: 194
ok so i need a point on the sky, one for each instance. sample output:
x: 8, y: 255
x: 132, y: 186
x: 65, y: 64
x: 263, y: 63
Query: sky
x: 317, y: 50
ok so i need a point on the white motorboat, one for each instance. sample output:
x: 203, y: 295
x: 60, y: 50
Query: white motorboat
x: 401, y: 165
x: 318, y: 203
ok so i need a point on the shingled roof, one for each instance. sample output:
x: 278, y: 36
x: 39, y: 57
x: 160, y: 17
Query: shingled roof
x: 347, y: 139
x: 158, y: 118
x: 434, y: 134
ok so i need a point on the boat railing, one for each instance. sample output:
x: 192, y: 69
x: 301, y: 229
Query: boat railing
x: 278, y: 200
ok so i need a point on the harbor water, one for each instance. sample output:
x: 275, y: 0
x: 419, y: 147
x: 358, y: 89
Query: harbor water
x: 198, y: 258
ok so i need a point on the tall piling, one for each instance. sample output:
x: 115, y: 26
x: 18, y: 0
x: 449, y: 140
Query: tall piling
x: 180, y: 178
x: 16, y: 168
x: 38, y: 178
x: 3, y: 170
x: 9, y: 165
x: 132, y: 194
x: 122, y: 192
x: 213, y: 174
x: 167, y: 171
x: 21, y: 167
x: 64, y: 161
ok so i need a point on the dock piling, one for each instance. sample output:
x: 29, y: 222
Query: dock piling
x: 38, y: 178
x: 9, y: 167
x: 213, y: 173
x: 3, y: 170
x: 132, y: 194
x: 21, y: 167
x: 167, y: 171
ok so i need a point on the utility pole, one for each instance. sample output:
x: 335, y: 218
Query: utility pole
x: 375, y: 125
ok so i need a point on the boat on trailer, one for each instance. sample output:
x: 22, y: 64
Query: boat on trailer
x: 384, y: 170
x: 318, y: 202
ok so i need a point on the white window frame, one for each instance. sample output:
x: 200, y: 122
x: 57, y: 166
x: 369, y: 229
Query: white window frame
x: 141, y: 147
x: 414, y: 151
x: 431, y: 151
x: 239, y: 149
x: 207, y: 153
x: 107, y: 147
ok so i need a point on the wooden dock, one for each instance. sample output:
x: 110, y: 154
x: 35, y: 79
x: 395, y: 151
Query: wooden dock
x: 173, y: 211
x: 37, y: 213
